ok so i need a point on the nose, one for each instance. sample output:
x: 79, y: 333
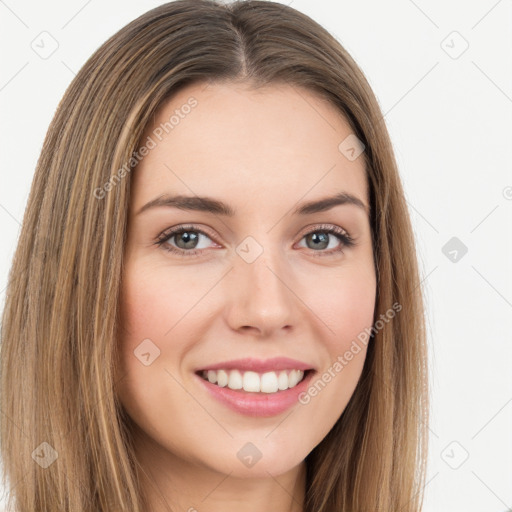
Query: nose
x: 261, y: 297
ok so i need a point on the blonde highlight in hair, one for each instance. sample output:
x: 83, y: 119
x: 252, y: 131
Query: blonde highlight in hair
x: 60, y: 321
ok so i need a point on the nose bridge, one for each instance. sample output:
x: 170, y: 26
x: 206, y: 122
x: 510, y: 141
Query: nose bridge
x: 261, y: 292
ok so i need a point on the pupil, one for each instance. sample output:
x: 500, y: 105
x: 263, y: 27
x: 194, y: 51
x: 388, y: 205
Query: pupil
x: 322, y: 239
x: 192, y: 237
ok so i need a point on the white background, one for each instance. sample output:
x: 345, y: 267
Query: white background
x: 450, y: 122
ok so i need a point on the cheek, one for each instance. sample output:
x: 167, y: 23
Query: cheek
x: 156, y: 302
x: 159, y: 310
x: 152, y: 341
x: 145, y: 318
x: 347, y: 306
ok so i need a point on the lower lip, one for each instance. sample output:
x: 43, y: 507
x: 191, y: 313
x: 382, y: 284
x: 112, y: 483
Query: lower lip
x: 258, y: 404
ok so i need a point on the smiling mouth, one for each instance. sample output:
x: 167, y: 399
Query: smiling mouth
x: 250, y: 381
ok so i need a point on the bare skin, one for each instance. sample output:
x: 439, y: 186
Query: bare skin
x: 263, y: 153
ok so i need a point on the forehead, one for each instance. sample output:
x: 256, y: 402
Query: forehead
x: 278, y: 143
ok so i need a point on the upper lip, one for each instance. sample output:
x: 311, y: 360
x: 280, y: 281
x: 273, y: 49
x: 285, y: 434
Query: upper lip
x: 259, y: 365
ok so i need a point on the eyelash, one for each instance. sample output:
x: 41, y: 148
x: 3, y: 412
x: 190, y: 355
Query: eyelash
x: 346, y: 240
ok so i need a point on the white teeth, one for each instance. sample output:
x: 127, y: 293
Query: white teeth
x: 251, y: 381
x: 235, y: 380
x: 222, y: 378
x: 269, y: 382
x: 294, y: 378
x: 282, y: 381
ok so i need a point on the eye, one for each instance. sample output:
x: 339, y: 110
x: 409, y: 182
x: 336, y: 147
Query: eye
x: 186, y: 240
x: 321, y: 237
x: 185, y: 237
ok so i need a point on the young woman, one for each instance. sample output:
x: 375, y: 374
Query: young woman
x: 215, y: 299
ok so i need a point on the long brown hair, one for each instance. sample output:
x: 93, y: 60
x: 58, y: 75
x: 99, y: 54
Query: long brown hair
x: 65, y: 444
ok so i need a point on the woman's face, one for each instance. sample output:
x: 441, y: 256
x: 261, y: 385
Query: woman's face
x: 259, y: 296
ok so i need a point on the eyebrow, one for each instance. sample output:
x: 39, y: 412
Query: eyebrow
x: 210, y: 205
